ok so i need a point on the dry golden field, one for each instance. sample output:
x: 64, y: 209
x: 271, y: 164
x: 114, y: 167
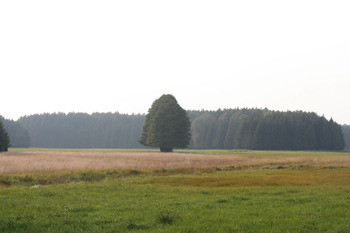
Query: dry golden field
x: 19, y: 161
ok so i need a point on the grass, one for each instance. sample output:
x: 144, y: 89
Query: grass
x: 264, y: 200
x: 79, y: 150
x: 57, y: 160
x: 254, y: 198
x: 186, y: 151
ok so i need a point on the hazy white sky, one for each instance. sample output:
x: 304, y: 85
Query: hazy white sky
x: 108, y: 56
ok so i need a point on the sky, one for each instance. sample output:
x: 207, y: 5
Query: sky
x: 119, y: 56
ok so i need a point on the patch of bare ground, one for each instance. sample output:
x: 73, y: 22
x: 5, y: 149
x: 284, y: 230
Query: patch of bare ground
x: 53, y: 161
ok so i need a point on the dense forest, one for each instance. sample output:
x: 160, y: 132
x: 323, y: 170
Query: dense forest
x: 82, y: 130
x: 19, y: 136
x: 222, y: 129
x: 262, y: 129
x: 346, y: 133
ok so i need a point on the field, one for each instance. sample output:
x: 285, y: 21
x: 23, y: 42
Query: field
x: 53, y: 160
x: 186, y: 191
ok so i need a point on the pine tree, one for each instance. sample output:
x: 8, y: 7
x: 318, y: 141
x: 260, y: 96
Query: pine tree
x: 4, y: 138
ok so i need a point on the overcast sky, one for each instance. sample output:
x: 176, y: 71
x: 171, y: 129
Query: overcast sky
x: 108, y: 56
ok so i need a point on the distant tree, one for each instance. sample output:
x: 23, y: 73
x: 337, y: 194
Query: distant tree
x: 18, y: 135
x: 167, y: 125
x: 262, y: 129
x: 204, y: 127
x: 82, y: 130
x: 259, y: 129
x: 346, y: 133
x: 4, y: 138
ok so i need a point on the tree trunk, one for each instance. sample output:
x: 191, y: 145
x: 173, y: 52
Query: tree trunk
x: 166, y: 149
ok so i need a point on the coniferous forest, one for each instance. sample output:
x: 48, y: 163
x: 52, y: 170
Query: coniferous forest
x: 4, y: 138
x: 265, y: 130
x: 19, y: 136
x: 81, y: 130
x: 257, y: 129
x: 346, y: 133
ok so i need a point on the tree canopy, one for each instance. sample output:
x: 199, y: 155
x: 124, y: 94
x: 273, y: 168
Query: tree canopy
x: 346, y: 133
x: 82, y: 130
x: 167, y: 125
x: 261, y: 129
x: 18, y: 135
x: 4, y: 138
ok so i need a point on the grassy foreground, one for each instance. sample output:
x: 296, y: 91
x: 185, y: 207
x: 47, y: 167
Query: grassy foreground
x: 274, y: 199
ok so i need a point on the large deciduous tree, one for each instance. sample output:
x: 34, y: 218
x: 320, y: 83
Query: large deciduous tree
x: 167, y: 125
x: 4, y: 138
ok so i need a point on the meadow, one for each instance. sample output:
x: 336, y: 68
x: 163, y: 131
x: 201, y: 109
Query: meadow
x: 231, y: 191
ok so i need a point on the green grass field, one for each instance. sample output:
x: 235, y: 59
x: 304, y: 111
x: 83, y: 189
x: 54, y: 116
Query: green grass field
x: 263, y: 199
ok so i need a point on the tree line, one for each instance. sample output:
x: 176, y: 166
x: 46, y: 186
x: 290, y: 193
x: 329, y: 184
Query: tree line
x: 346, y: 133
x: 18, y: 135
x: 4, y: 138
x: 262, y: 129
x: 82, y: 130
x: 222, y: 129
